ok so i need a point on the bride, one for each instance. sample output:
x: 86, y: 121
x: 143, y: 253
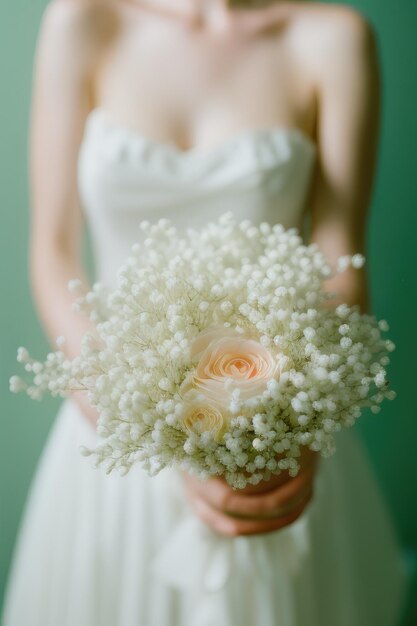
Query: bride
x: 184, y: 109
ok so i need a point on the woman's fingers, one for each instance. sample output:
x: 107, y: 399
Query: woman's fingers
x: 220, y: 496
x: 265, y: 504
x: 273, y: 508
x: 232, y: 513
x: 232, y: 527
x: 215, y: 490
x: 218, y: 492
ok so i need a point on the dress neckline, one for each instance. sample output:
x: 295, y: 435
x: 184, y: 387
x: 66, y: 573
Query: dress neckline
x: 101, y: 115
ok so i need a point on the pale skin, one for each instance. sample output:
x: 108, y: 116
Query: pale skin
x: 195, y: 77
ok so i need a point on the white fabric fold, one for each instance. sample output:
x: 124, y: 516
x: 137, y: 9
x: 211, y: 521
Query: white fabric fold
x: 209, y: 566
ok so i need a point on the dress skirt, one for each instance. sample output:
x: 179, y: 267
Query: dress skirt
x: 110, y: 550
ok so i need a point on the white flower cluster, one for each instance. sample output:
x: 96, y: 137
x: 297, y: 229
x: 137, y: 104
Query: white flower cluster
x: 259, y: 281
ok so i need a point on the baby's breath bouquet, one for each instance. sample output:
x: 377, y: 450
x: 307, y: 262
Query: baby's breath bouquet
x: 215, y: 352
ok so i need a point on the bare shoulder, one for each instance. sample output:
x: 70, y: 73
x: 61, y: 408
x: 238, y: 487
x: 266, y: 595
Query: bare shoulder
x: 341, y: 18
x: 332, y: 37
x: 84, y: 25
x: 80, y: 13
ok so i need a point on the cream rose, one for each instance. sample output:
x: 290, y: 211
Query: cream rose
x: 201, y: 417
x: 225, y: 354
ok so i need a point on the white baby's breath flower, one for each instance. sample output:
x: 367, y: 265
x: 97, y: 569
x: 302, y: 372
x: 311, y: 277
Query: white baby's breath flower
x: 358, y: 261
x: 16, y: 384
x: 290, y: 371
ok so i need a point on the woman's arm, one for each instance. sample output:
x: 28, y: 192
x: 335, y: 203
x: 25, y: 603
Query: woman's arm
x: 343, y: 59
x: 347, y: 137
x: 68, y: 48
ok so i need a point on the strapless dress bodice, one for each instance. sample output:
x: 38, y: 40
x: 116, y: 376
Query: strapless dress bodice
x: 125, y: 177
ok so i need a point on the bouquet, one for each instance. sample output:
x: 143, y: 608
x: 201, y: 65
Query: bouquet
x: 215, y: 352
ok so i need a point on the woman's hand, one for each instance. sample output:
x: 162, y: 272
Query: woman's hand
x: 263, y: 508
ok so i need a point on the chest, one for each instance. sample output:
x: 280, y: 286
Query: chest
x: 194, y: 89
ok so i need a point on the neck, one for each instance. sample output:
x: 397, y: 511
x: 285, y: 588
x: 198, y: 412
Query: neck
x: 205, y: 9
x: 214, y: 15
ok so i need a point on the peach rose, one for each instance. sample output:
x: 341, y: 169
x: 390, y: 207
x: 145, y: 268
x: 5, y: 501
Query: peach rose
x: 201, y: 416
x: 227, y: 354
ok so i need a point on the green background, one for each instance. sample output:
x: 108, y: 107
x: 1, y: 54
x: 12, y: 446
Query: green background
x: 390, y: 436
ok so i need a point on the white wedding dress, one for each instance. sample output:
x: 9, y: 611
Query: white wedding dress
x: 98, y: 550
